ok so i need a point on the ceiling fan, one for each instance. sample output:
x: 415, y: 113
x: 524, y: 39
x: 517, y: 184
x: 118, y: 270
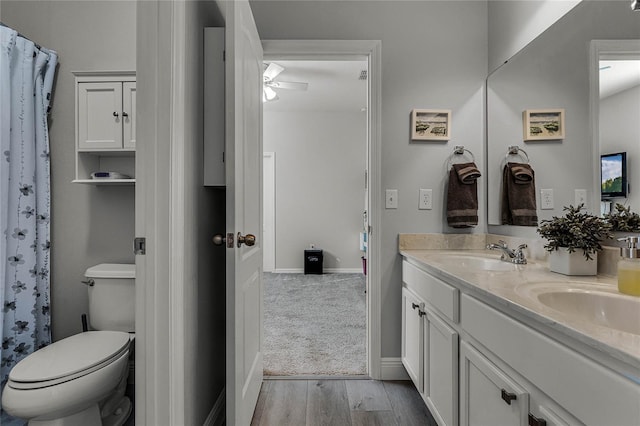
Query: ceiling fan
x: 271, y: 71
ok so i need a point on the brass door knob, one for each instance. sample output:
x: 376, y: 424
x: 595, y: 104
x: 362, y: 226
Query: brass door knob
x: 248, y: 239
x: 219, y: 239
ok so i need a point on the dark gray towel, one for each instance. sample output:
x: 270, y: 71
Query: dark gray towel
x: 519, y: 195
x: 462, y: 196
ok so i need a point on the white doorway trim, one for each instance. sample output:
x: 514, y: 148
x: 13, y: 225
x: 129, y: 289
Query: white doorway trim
x: 269, y: 203
x: 349, y: 50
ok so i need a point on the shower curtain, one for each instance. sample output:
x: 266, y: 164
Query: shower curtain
x: 26, y: 80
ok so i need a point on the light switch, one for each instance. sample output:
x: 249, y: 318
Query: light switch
x: 546, y: 199
x: 391, y: 199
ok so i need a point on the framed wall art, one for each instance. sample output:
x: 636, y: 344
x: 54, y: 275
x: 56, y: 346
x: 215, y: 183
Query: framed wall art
x: 543, y: 124
x: 431, y: 124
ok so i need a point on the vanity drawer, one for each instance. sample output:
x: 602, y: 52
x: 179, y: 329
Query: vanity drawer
x: 441, y: 296
x: 577, y: 383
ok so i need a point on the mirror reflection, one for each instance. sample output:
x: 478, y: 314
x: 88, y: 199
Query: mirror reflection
x: 553, y: 73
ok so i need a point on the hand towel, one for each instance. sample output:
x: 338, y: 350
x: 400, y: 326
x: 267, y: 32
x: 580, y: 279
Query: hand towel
x: 462, y: 196
x: 519, y: 195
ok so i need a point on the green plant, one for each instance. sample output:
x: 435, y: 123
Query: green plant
x: 623, y: 219
x: 575, y: 230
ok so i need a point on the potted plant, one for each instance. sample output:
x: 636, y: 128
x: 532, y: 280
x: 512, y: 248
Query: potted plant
x: 623, y: 219
x: 574, y: 241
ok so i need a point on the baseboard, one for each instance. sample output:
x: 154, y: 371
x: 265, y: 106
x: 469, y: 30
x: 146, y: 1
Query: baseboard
x: 216, y: 416
x: 392, y: 369
x: 326, y: 271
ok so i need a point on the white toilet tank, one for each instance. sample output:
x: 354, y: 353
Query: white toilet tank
x: 112, y: 297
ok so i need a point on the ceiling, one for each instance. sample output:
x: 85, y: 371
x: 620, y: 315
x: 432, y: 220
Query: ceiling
x: 617, y: 76
x: 333, y: 86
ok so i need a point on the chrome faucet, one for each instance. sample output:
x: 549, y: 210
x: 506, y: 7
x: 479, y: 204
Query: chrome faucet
x: 509, y: 255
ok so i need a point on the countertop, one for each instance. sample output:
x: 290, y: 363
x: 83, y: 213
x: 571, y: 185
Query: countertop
x: 508, y: 290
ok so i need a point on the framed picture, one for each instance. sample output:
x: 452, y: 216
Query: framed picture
x: 431, y: 124
x: 543, y: 124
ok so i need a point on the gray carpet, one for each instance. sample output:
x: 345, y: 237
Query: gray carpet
x: 314, y: 324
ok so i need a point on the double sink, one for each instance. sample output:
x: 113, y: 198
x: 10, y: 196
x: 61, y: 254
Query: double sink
x: 596, y: 303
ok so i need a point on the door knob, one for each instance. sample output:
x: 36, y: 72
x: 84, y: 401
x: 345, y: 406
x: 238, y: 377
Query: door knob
x: 219, y: 239
x: 248, y: 239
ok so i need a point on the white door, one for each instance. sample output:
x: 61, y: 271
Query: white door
x: 243, y: 156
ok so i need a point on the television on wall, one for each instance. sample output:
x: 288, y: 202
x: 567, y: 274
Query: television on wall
x: 613, y: 173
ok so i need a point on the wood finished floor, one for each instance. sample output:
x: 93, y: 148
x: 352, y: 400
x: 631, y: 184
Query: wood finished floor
x: 340, y: 403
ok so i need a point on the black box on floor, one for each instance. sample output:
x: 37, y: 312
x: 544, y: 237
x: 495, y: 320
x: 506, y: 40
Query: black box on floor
x: 313, y: 261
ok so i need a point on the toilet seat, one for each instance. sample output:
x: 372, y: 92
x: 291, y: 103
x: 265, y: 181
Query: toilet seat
x: 69, y: 359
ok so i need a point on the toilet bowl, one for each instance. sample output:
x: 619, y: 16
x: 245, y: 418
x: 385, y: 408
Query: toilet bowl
x: 81, y: 380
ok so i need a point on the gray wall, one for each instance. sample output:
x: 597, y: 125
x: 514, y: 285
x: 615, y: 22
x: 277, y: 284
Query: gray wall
x: 425, y: 64
x: 619, y: 131
x: 320, y: 163
x: 90, y: 224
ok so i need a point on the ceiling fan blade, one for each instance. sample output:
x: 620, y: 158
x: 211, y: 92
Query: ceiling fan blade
x: 272, y: 71
x: 290, y: 85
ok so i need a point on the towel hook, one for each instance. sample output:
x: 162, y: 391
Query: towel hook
x: 459, y: 150
x: 516, y: 150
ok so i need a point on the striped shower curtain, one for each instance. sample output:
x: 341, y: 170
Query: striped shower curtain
x: 26, y: 80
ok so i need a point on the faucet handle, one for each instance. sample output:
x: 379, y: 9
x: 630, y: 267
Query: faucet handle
x: 522, y: 246
x: 503, y: 243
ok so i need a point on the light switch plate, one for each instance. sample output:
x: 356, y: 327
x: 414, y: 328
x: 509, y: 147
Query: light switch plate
x: 580, y: 197
x: 546, y: 199
x: 425, y: 201
x: 391, y: 197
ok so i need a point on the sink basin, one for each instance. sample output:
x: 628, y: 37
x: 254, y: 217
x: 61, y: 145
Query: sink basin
x: 467, y: 261
x: 598, y: 304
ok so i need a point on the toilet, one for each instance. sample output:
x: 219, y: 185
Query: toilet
x: 81, y: 380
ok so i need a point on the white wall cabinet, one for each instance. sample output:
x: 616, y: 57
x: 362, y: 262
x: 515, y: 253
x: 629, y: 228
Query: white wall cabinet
x: 105, y: 125
x: 492, y: 368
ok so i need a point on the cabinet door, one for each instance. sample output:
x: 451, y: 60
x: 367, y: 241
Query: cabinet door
x: 488, y: 397
x: 129, y: 115
x: 99, y: 116
x: 441, y: 370
x: 412, y: 335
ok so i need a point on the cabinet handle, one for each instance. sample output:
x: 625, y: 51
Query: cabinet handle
x: 124, y: 114
x: 115, y: 114
x: 508, y: 397
x: 535, y: 421
x: 422, y: 313
x: 414, y: 305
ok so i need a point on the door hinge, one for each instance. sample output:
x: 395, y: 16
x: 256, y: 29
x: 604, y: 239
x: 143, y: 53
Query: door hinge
x: 140, y: 245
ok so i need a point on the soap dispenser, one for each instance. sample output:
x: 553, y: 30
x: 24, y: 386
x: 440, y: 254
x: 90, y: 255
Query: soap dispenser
x: 629, y: 267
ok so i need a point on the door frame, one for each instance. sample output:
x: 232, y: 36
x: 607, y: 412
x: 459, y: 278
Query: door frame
x: 371, y: 51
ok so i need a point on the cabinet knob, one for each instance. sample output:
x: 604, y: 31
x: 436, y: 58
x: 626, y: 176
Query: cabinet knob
x: 115, y: 114
x: 507, y: 396
x: 535, y: 421
x: 124, y: 114
x: 422, y: 313
x: 414, y: 305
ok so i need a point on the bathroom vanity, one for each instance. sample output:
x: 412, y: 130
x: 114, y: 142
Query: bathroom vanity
x: 489, y: 342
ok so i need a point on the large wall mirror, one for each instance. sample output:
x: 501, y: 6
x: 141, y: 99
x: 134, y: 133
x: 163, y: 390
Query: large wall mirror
x: 553, y: 72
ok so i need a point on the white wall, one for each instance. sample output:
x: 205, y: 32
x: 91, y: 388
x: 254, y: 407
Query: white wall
x: 320, y: 163
x: 90, y: 224
x: 513, y: 24
x: 425, y: 64
x: 619, y: 131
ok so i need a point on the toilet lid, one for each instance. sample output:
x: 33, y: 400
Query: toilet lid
x: 70, y: 358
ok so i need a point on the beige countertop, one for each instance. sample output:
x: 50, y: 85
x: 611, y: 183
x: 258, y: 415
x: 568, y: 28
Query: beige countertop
x: 514, y: 291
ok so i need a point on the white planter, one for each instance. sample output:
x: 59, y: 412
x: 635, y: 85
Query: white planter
x: 563, y: 262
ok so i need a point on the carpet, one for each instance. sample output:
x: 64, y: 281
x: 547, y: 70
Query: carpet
x: 314, y: 324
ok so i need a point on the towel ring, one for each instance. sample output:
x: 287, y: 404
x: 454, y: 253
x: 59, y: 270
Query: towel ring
x: 459, y: 150
x: 516, y: 150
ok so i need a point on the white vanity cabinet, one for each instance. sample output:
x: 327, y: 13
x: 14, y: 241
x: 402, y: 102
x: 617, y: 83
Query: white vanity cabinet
x: 105, y: 125
x: 429, y: 344
x: 485, y: 364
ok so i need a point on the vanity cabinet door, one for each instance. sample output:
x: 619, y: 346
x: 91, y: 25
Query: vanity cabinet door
x: 412, y: 336
x: 129, y: 115
x: 488, y: 397
x: 441, y: 370
x: 99, y: 115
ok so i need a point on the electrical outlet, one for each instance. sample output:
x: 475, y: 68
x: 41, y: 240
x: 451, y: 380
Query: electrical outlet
x: 391, y: 197
x: 580, y: 197
x: 425, y: 201
x: 546, y: 199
